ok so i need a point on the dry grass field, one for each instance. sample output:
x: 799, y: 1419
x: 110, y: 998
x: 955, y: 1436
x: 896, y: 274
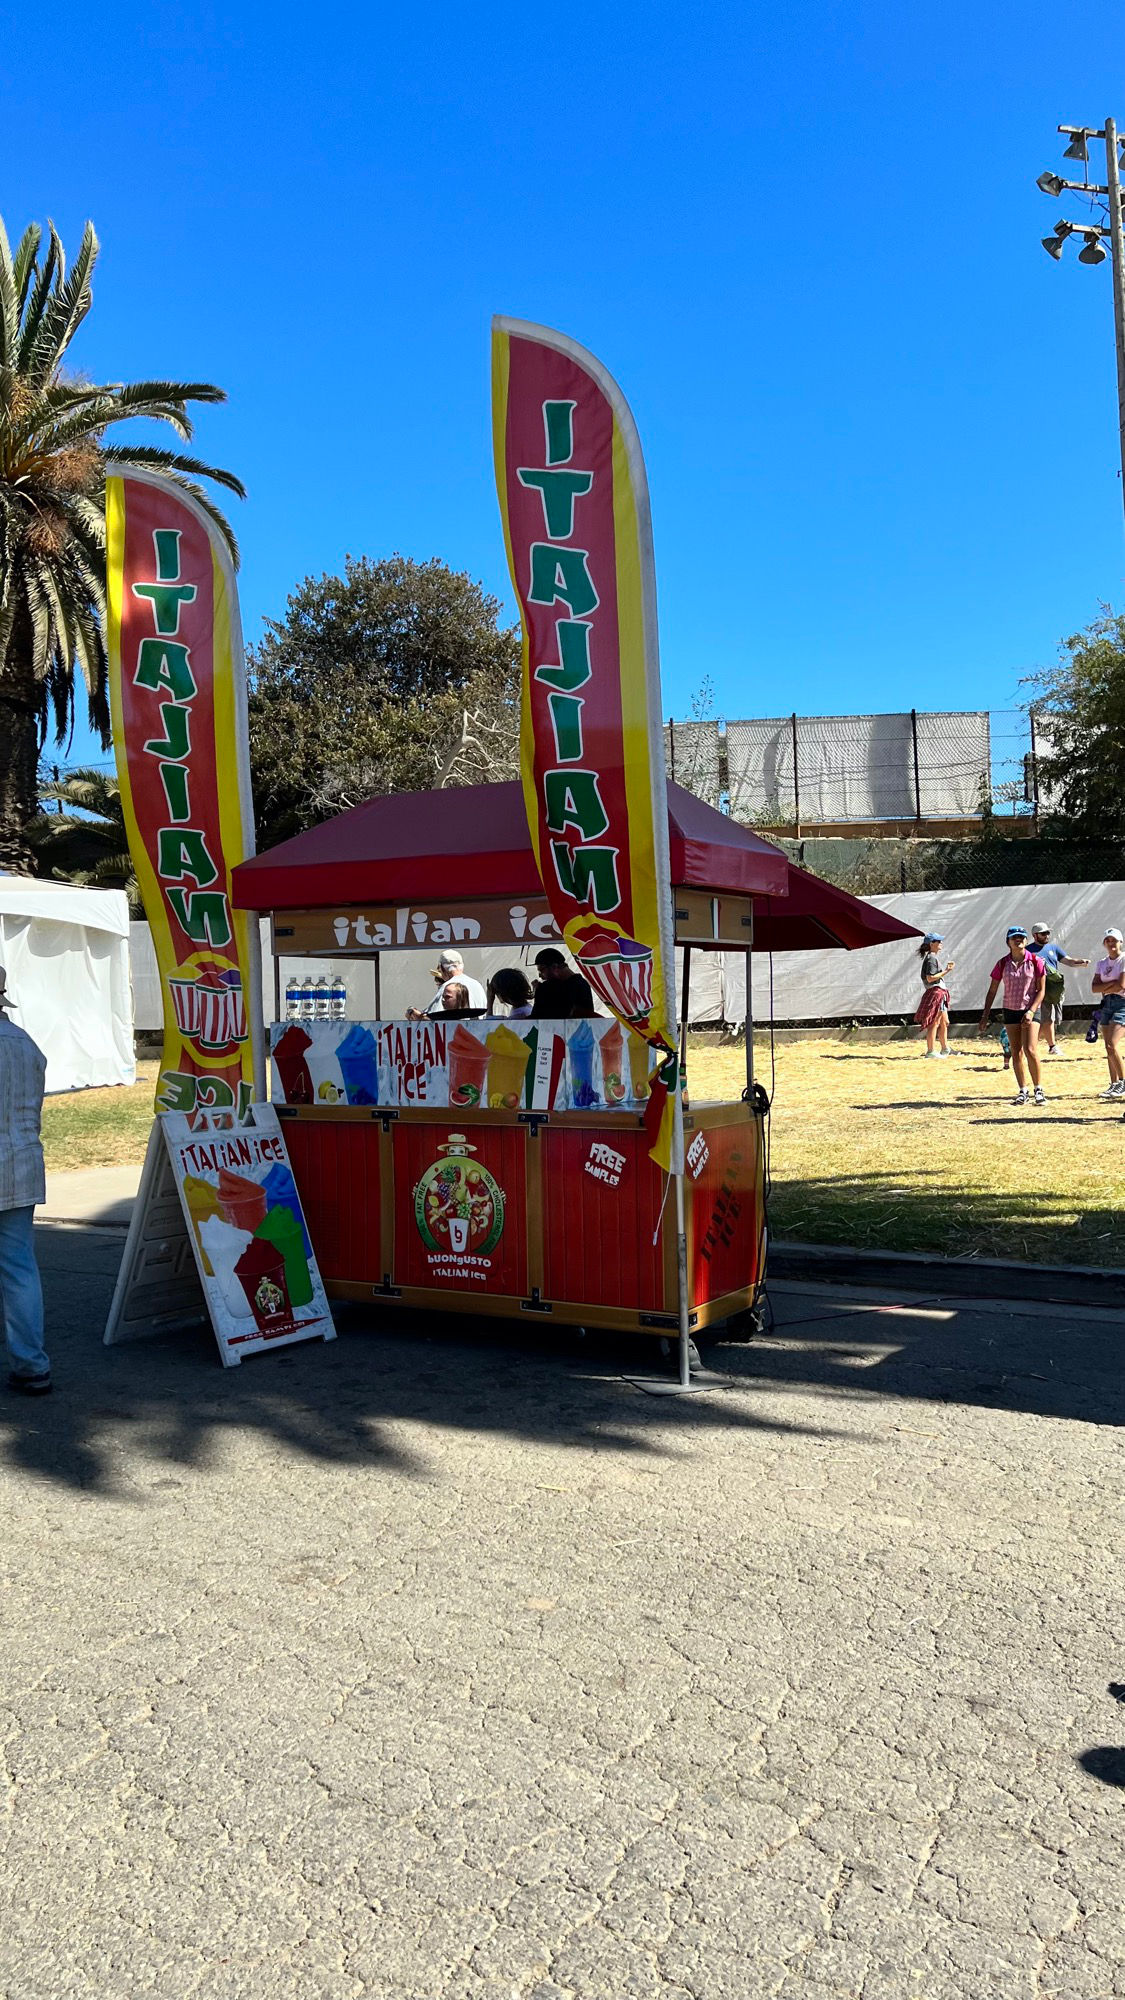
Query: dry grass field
x: 876, y: 1147
x: 871, y: 1146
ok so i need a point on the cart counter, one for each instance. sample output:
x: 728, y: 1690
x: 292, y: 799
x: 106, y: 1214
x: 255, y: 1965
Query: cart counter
x: 525, y: 1212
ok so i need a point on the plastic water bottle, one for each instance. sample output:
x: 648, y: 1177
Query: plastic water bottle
x: 339, y: 992
x: 323, y: 999
x: 292, y: 1000
x: 308, y: 999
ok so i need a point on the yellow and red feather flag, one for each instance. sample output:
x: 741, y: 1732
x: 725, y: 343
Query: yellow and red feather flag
x: 178, y: 704
x: 574, y: 501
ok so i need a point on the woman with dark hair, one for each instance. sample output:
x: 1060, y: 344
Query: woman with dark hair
x: 933, y: 1008
x: 513, y: 989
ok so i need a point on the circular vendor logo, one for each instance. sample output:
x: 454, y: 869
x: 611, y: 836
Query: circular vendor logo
x: 458, y: 1204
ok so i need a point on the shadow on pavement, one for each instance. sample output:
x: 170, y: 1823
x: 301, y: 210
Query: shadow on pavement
x: 1106, y: 1763
x: 166, y: 1403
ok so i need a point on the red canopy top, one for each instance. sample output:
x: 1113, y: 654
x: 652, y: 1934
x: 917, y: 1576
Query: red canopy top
x: 472, y: 842
x: 815, y: 916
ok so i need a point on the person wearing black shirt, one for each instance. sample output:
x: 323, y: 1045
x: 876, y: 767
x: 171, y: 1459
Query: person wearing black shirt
x: 561, y: 994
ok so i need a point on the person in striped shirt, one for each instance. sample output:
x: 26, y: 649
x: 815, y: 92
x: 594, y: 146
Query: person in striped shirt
x: 1023, y: 977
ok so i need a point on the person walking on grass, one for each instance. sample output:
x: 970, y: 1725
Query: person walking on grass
x: 933, y: 1008
x: 1023, y: 977
x: 1109, y: 987
x: 23, y: 1067
x: 1053, y: 956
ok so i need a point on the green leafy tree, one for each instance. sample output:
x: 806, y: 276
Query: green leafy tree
x: 84, y: 839
x: 53, y: 463
x: 1079, y: 711
x: 393, y: 677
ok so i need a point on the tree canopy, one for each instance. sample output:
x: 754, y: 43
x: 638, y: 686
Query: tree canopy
x: 1079, y: 713
x: 393, y: 677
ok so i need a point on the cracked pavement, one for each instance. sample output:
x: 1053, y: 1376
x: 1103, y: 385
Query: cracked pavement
x: 441, y: 1664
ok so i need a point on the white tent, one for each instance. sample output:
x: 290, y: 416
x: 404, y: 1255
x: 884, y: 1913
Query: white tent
x: 66, y: 954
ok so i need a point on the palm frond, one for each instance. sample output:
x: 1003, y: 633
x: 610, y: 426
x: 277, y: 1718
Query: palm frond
x: 171, y: 461
x: 69, y: 305
x: 52, y: 264
x: 27, y: 250
x: 9, y: 294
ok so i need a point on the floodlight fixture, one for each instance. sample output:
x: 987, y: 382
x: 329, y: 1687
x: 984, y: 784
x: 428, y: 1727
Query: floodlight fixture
x: 1053, y: 245
x: 1077, y: 148
x: 1092, y: 251
x: 1051, y: 183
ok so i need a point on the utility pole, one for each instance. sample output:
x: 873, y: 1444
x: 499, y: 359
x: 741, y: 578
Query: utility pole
x: 1093, y: 232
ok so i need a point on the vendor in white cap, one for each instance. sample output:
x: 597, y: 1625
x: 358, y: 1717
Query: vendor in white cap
x: 22, y: 1070
x: 1053, y: 956
x: 450, y: 971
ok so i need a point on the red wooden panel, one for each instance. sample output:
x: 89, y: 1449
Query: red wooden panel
x: 461, y: 1207
x: 599, y: 1220
x: 336, y: 1168
x: 722, y: 1167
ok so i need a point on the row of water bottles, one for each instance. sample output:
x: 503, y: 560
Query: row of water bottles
x: 323, y: 999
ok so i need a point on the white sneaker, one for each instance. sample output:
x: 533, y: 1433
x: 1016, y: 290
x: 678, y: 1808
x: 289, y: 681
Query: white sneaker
x: 1115, y: 1091
x: 1039, y: 1097
x: 1023, y: 1098
x: 941, y: 1054
x: 1053, y: 1050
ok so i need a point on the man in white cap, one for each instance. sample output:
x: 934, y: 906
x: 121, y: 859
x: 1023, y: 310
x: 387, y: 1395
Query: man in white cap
x: 1053, y: 955
x: 450, y: 971
x: 23, y: 1067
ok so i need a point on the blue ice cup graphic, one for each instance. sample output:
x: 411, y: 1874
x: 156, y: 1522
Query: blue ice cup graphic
x: 356, y: 1057
x: 580, y: 1049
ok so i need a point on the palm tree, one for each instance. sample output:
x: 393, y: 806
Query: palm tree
x: 85, y: 839
x: 53, y: 463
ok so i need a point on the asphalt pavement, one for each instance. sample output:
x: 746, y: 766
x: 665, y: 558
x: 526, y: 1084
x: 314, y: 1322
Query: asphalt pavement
x: 438, y: 1663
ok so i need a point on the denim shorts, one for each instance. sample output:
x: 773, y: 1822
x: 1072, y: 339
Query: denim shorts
x: 1113, y: 1010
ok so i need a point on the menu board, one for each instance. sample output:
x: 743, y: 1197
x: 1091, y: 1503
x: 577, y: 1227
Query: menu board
x: 244, y: 1215
x: 506, y: 1065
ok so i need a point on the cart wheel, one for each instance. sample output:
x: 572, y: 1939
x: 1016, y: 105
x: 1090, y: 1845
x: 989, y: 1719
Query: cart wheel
x: 743, y: 1326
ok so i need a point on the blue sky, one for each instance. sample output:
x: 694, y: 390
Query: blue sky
x: 879, y: 422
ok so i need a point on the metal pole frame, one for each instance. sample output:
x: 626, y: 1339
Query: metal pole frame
x: 1117, y: 248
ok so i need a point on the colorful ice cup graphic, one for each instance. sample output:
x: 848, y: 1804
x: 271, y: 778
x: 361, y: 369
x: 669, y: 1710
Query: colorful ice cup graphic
x: 468, y: 1066
x: 356, y: 1056
x: 282, y: 1229
x: 580, y: 1048
x: 223, y: 1246
x: 261, y: 1273
x: 202, y: 1202
x: 242, y: 1202
x: 640, y: 1063
x: 289, y: 1057
x: 508, y: 1057
x: 612, y: 1052
x: 281, y: 1191
x: 458, y: 1232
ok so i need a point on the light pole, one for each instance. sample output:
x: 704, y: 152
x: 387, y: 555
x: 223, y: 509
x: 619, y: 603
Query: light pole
x: 1092, y: 251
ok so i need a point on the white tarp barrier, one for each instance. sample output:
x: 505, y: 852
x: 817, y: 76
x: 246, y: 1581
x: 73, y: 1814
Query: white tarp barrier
x: 883, y: 981
x: 66, y: 954
x: 857, y: 767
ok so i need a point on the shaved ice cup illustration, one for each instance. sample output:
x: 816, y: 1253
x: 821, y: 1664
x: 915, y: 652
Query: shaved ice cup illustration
x: 508, y: 1057
x: 468, y: 1066
x: 620, y: 970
